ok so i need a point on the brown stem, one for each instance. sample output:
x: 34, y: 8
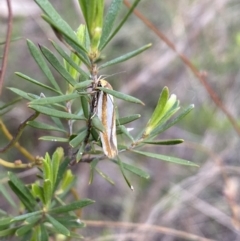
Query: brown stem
x: 7, y: 44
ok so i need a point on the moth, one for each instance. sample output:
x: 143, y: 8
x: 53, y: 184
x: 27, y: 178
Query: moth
x: 106, y: 113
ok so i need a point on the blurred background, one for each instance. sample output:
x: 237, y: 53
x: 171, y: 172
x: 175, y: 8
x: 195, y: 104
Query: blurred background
x: 203, y: 201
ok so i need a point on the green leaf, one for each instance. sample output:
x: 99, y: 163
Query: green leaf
x: 83, y: 84
x: 120, y: 24
x: 97, y: 124
x: 6, y: 194
x: 123, y: 173
x: 10, y: 103
x: 165, y: 142
x: 43, y: 126
x: 55, y: 113
x: 158, y: 112
x: 5, y: 221
x: 61, y: 171
x: 21, y: 93
x: 7, y: 232
x: 106, y: 177
x: 47, y: 168
x: 58, y: 226
x: 127, y: 119
x: 134, y: 170
x: 71, y: 207
x: 173, y: 122
x: 57, y: 65
x: 25, y: 216
x: 42, y: 64
x: 93, y: 164
x: 43, y: 233
x: 125, y: 57
x: 166, y: 158
x: 55, y: 99
x: 85, y: 106
x: 93, y: 14
x: 53, y: 138
x: 23, y: 191
x: 69, y: 60
x: 124, y: 130
x: 56, y: 160
x: 47, y: 191
x: 122, y: 96
x: 79, y: 138
x: 59, y: 23
x: 38, y: 191
x: 36, y: 82
x: 109, y: 21
x: 24, y: 229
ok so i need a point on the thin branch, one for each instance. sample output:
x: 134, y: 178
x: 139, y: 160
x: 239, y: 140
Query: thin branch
x: 7, y: 45
x: 201, y: 76
x: 146, y: 228
x: 14, y: 140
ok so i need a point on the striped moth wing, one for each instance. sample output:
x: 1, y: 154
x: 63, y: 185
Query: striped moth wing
x: 106, y: 113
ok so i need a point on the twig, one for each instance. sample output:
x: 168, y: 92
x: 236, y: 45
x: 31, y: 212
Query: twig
x: 14, y: 140
x: 6, y: 48
x: 146, y: 228
x: 201, y: 76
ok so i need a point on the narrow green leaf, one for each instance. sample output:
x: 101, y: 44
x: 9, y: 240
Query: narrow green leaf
x: 124, y: 130
x: 37, y: 82
x: 69, y: 60
x: 122, y: 96
x: 38, y: 191
x: 47, y: 168
x: 158, y: 112
x: 166, y: 158
x: 96, y: 123
x: 71, y: 207
x: 10, y: 103
x: 55, y: 99
x: 134, y: 169
x: 165, y: 142
x: 55, y: 113
x: 173, y: 122
x: 43, y: 126
x: 85, y: 106
x: 111, y: 15
x: 56, y: 160
x: 57, y: 65
x: 83, y: 84
x: 47, y: 191
x: 123, y: 173
x: 21, y: 93
x: 24, y: 229
x: 125, y: 57
x: 127, y: 119
x: 5, y: 221
x: 53, y: 138
x: 93, y: 164
x: 58, y: 226
x: 106, y: 177
x: 59, y: 23
x: 6, y: 194
x: 25, y: 216
x: 120, y: 24
x: 79, y: 138
x: 43, y: 233
x: 61, y: 171
x: 22, y: 189
x: 7, y: 232
x: 42, y: 64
